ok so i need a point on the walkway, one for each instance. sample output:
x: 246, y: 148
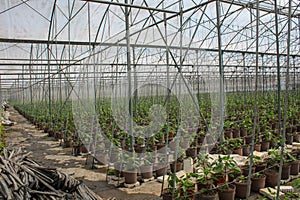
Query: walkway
x: 48, y: 152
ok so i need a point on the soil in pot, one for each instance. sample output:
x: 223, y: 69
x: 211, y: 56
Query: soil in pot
x: 248, y: 139
x: 271, y: 177
x: 68, y: 143
x: 238, y: 151
x: 59, y: 136
x: 167, y: 194
x: 286, y: 170
x: 228, y: 193
x: 160, y: 146
x: 228, y: 134
x: 204, y: 186
x: 84, y: 149
x: 273, y: 144
x: 130, y: 176
x: 200, y: 139
x: 118, y: 169
x: 76, y: 150
x: 153, y: 148
x: 294, y: 167
x: 236, y: 133
x: 257, y: 147
x: 243, y: 132
x: 289, y: 139
x: 274, y: 125
x: 260, y: 167
x: 220, y: 179
x: 46, y: 129
x: 214, y: 147
x: 207, y: 196
x: 191, y: 152
x: 179, y: 166
x: 233, y: 175
x: 139, y: 149
x: 146, y: 171
x: 190, y: 194
x: 296, y: 138
x: 265, y: 145
x: 241, y: 189
x: 245, y: 170
x: 246, y: 150
x: 160, y: 170
x: 199, y: 148
x: 50, y: 132
x: 258, y: 182
x: 298, y: 128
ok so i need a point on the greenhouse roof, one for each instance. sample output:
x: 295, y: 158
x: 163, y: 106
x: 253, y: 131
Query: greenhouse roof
x: 37, y: 34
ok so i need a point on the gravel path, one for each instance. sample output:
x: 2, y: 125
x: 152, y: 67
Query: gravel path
x: 48, y: 152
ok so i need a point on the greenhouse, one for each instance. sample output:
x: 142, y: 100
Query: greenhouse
x: 150, y: 99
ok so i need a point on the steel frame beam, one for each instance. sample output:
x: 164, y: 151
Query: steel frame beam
x: 151, y: 46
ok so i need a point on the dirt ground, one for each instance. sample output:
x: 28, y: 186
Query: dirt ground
x: 48, y: 152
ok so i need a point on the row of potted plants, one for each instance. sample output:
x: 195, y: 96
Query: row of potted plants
x: 238, y: 122
x: 222, y: 178
x: 237, y: 127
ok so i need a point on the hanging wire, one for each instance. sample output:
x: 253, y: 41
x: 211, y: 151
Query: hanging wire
x: 15, y: 6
